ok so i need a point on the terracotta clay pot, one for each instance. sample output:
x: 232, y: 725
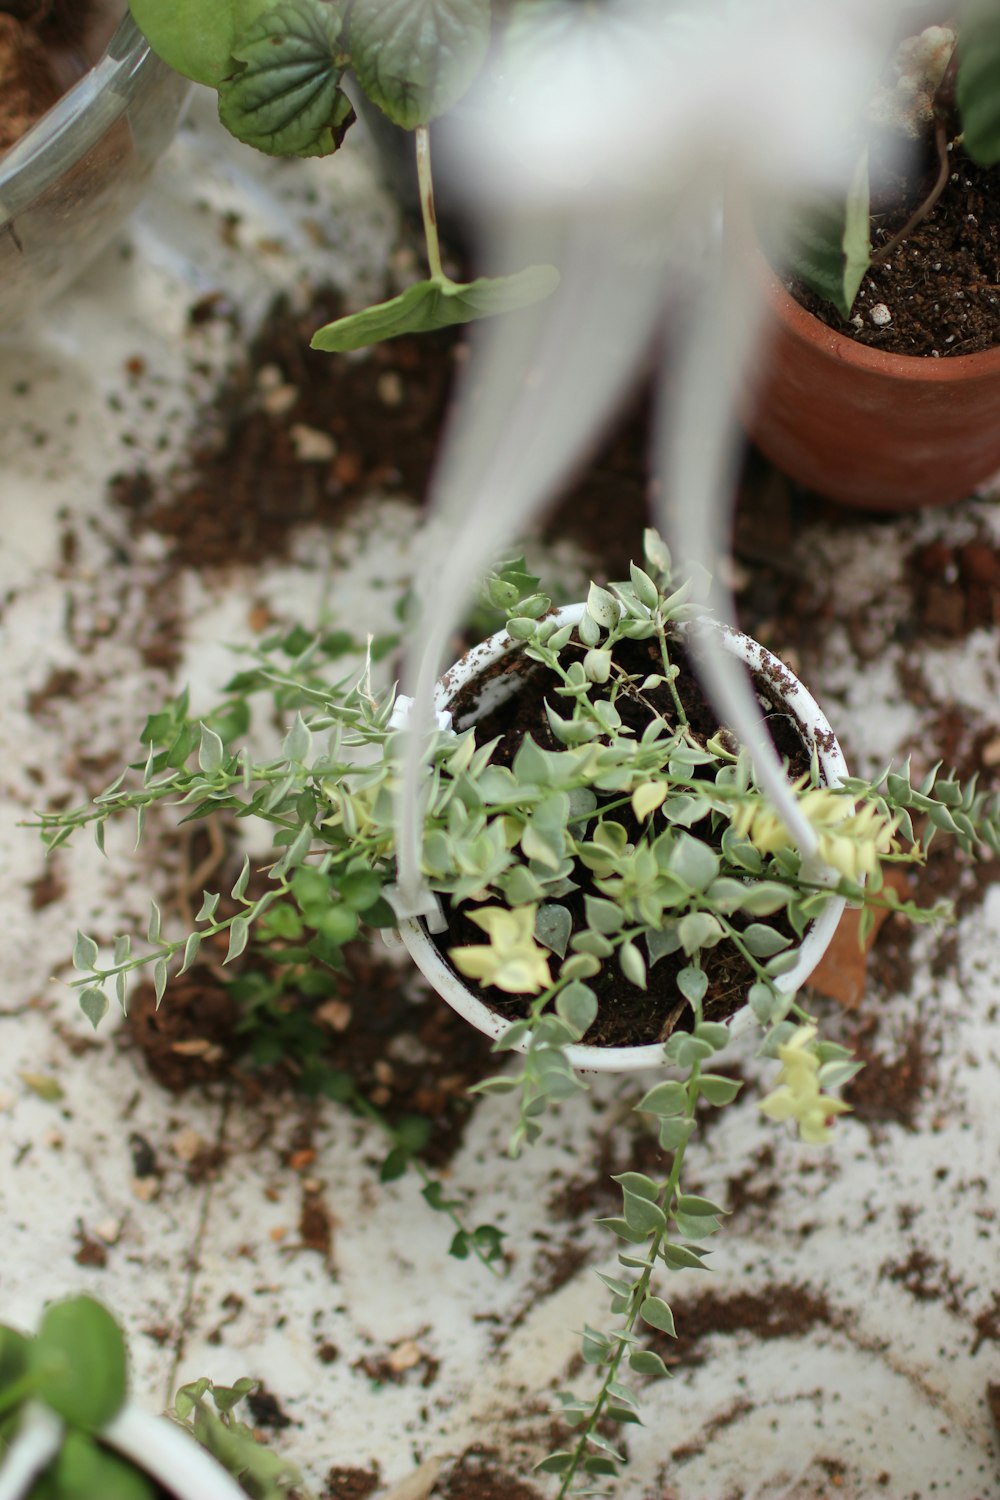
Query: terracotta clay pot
x: 887, y: 432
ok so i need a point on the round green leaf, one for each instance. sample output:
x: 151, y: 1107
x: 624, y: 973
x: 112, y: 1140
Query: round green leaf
x: 78, y: 1357
x: 416, y: 58
x: 287, y: 99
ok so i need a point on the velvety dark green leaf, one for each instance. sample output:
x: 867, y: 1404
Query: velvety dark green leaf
x: 287, y: 101
x: 416, y: 58
x: 79, y: 1357
x: 978, y: 85
x: 433, y: 304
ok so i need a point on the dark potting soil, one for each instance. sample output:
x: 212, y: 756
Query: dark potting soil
x: 627, y: 1015
x: 941, y: 285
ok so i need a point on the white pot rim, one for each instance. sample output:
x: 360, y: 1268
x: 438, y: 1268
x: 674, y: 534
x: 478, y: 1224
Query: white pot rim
x: 816, y: 731
x: 166, y: 1452
x: 155, y: 1446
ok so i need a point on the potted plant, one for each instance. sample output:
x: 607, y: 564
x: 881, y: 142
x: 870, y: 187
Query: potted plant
x: 597, y: 852
x: 68, y: 182
x: 279, y: 67
x: 834, y: 403
x: 69, y: 1432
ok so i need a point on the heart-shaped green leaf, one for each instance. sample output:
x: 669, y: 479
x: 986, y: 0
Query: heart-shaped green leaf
x: 416, y: 58
x: 287, y: 99
x: 435, y: 304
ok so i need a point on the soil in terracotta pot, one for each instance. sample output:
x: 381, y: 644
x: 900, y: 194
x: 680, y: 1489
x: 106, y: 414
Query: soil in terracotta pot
x: 938, y: 291
x: 627, y: 1015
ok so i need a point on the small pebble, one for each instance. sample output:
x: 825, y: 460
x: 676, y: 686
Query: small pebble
x: 390, y: 389
x: 311, y: 445
x: 108, y: 1230
x: 404, y: 1357
x: 880, y: 315
x: 187, y: 1144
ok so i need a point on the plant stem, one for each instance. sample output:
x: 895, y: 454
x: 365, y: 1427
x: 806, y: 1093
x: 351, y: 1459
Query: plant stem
x: 638, y: 1293
x: 924, y: 208
x: 661, y: 636
x: 426, y: 185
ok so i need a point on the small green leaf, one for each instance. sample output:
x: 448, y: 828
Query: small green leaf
x: 718, y: 1090
x: 94, y: 1004
x: 577, y: 1005
x: 632, y: 965
x: 692, y: 983
x: 44, y: 1085
x: 664, y: 1099
x: 208, y: 904
x: 694, y: 1207
x: 240, y: 888
x: 211, y: 751
x: 287, y: 100
x: 680, y: 1258
x: 675, y: 1133
x: 603, y: 606
x: 360, y: 889
x: 159, y: 979
x: 154, y: 923
x: 239, y: 932
x: 436, y: 304
x: 78, y: 1356
x: 190, y: 952
x: 657, y: 1314
x: 84, y: 953
x: 646, y: 1362
x: 555, y: 1463
x: 416, y: 58
x: 763, y: 941
x: 603, y: 916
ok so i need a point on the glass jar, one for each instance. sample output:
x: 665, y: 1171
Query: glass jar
x: 67, y: 185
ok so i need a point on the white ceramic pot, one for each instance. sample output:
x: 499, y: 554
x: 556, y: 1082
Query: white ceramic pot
x: 816, y: 732
x: 156, y: 1446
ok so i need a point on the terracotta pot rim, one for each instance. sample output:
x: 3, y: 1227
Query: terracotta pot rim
x: 807, y: 328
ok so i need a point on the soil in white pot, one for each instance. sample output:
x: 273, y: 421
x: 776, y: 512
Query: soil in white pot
x: 627, y: 1015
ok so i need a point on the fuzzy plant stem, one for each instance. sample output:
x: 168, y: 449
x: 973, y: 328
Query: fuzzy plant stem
x: 426, y: 185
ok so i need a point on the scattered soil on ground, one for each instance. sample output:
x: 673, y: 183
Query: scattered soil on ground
x: 941, y: 285
x: 351, y: 1484
x: 889, y: 1090
x: 400, y: 1046
x: 479, y: 1476
x: 776, y: 1312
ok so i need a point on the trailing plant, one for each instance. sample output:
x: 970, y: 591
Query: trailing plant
x: 278, y: 67
x: 208, y: 1411
x: 943, y: 94
x: 61, y: 1387
x: 628, y: 838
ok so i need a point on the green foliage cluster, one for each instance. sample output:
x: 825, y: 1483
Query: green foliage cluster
x: 831, y: 248
x: 675, y: 844
x: 279, y: 66
x: 76, y: 1367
